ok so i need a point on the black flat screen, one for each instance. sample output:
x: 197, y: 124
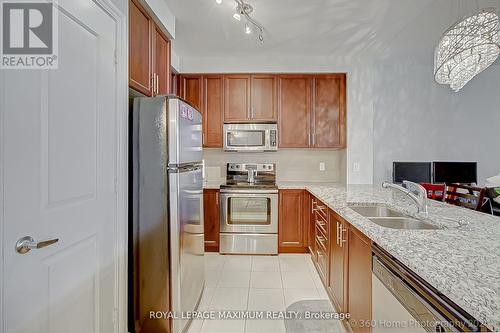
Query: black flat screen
x: 418, y: 172
x: 455, y: 172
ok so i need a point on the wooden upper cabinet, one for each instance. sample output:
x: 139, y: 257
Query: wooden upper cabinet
x: 211, y: 217
x: 175, y: 82
x: 192, y: 90
x: 264, y: 98
x: 359, y: 279
x: 149, y: 54
x: 338, y: 261
x: 236, y: 98
x: 310, y: 108
x: 291, y: 228
x: 162, y: 63
x: 213, y: 113
x: 294, y: 108
x: 140, y: 50
x: 329, y: 111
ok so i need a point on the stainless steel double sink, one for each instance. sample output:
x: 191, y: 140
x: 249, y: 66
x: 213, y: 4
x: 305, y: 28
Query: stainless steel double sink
x: 390, y: 218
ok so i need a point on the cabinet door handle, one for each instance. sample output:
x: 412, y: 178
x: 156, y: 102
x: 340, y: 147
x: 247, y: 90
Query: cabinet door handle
x: 344, y: 240
x: 319, y: 208
x: 157, y: 84
x: 217, y: 199
x: 337, y: 233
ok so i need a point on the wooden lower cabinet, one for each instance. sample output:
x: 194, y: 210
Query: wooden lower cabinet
x: 359, y: 300
x: 211, y: 215
x: 291, y: 226
x: 338, y: 261
x: 342, y: 256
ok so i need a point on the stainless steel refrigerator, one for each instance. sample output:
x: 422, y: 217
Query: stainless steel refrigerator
x: 166, y: 231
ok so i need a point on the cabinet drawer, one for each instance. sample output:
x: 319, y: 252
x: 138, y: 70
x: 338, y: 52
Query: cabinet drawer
x: 321, y: 240
x: 322, y: 260
x: 321, y: 224
x: 320, y: 209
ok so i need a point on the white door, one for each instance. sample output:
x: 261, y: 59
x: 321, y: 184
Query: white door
x: 59, y: 158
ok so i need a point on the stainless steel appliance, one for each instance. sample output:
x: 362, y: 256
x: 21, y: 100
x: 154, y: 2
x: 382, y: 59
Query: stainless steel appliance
x: 249, y: 209
x: 404, y: 302
x: 251, y: 137
x: 166, y: 233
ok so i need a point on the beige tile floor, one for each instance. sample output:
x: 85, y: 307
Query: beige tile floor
x: 256, y: 283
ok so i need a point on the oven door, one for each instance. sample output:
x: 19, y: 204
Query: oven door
x: 249, y: 212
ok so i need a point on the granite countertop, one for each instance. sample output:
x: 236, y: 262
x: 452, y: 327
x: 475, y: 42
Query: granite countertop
x: 283, y: 185
x: 213, y: 184
x: 216, y: 183
x: 461, y: 260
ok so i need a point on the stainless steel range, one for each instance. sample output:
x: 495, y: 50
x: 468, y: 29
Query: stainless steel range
x: 249, y: 210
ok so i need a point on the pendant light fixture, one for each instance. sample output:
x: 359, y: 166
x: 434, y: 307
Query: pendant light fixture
x: 467, y: 48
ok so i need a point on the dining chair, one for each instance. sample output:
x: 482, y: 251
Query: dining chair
x: 471, y: 197
x: 434, y: 191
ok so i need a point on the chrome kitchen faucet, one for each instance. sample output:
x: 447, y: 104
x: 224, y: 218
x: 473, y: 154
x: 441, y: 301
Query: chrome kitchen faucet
x: 420, y: 199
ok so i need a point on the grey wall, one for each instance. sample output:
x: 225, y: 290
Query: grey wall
x: 415, y: 119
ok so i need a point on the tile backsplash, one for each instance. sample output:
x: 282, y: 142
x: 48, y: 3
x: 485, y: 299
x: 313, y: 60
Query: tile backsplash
x: 291, y: 164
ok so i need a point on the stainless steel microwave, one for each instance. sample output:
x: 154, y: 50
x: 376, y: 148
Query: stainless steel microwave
x: 250, y: 137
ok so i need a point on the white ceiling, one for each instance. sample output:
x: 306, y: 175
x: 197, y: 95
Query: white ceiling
x: 383, y: 29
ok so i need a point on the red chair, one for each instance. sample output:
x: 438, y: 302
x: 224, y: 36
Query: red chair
x: 434, y: 191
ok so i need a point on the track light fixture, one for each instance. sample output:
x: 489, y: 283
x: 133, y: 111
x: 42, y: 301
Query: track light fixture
x: 244, y: 9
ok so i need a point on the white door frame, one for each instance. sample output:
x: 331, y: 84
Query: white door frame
x: 121, y: 169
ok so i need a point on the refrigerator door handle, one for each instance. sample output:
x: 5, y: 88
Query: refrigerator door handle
x: 184, y: 168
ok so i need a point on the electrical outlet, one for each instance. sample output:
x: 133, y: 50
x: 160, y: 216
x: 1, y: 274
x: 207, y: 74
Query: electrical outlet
x: 356, y: 167
x: 321, y: 166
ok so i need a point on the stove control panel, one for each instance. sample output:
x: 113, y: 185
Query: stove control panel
x: 269, y: 167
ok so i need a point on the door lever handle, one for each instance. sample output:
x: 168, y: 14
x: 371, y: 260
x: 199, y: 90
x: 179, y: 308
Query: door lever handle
x: 26, y: 244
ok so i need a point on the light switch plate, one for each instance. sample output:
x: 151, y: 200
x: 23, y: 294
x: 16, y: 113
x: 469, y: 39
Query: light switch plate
x: 356, y: 167
x: 322, y: 166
